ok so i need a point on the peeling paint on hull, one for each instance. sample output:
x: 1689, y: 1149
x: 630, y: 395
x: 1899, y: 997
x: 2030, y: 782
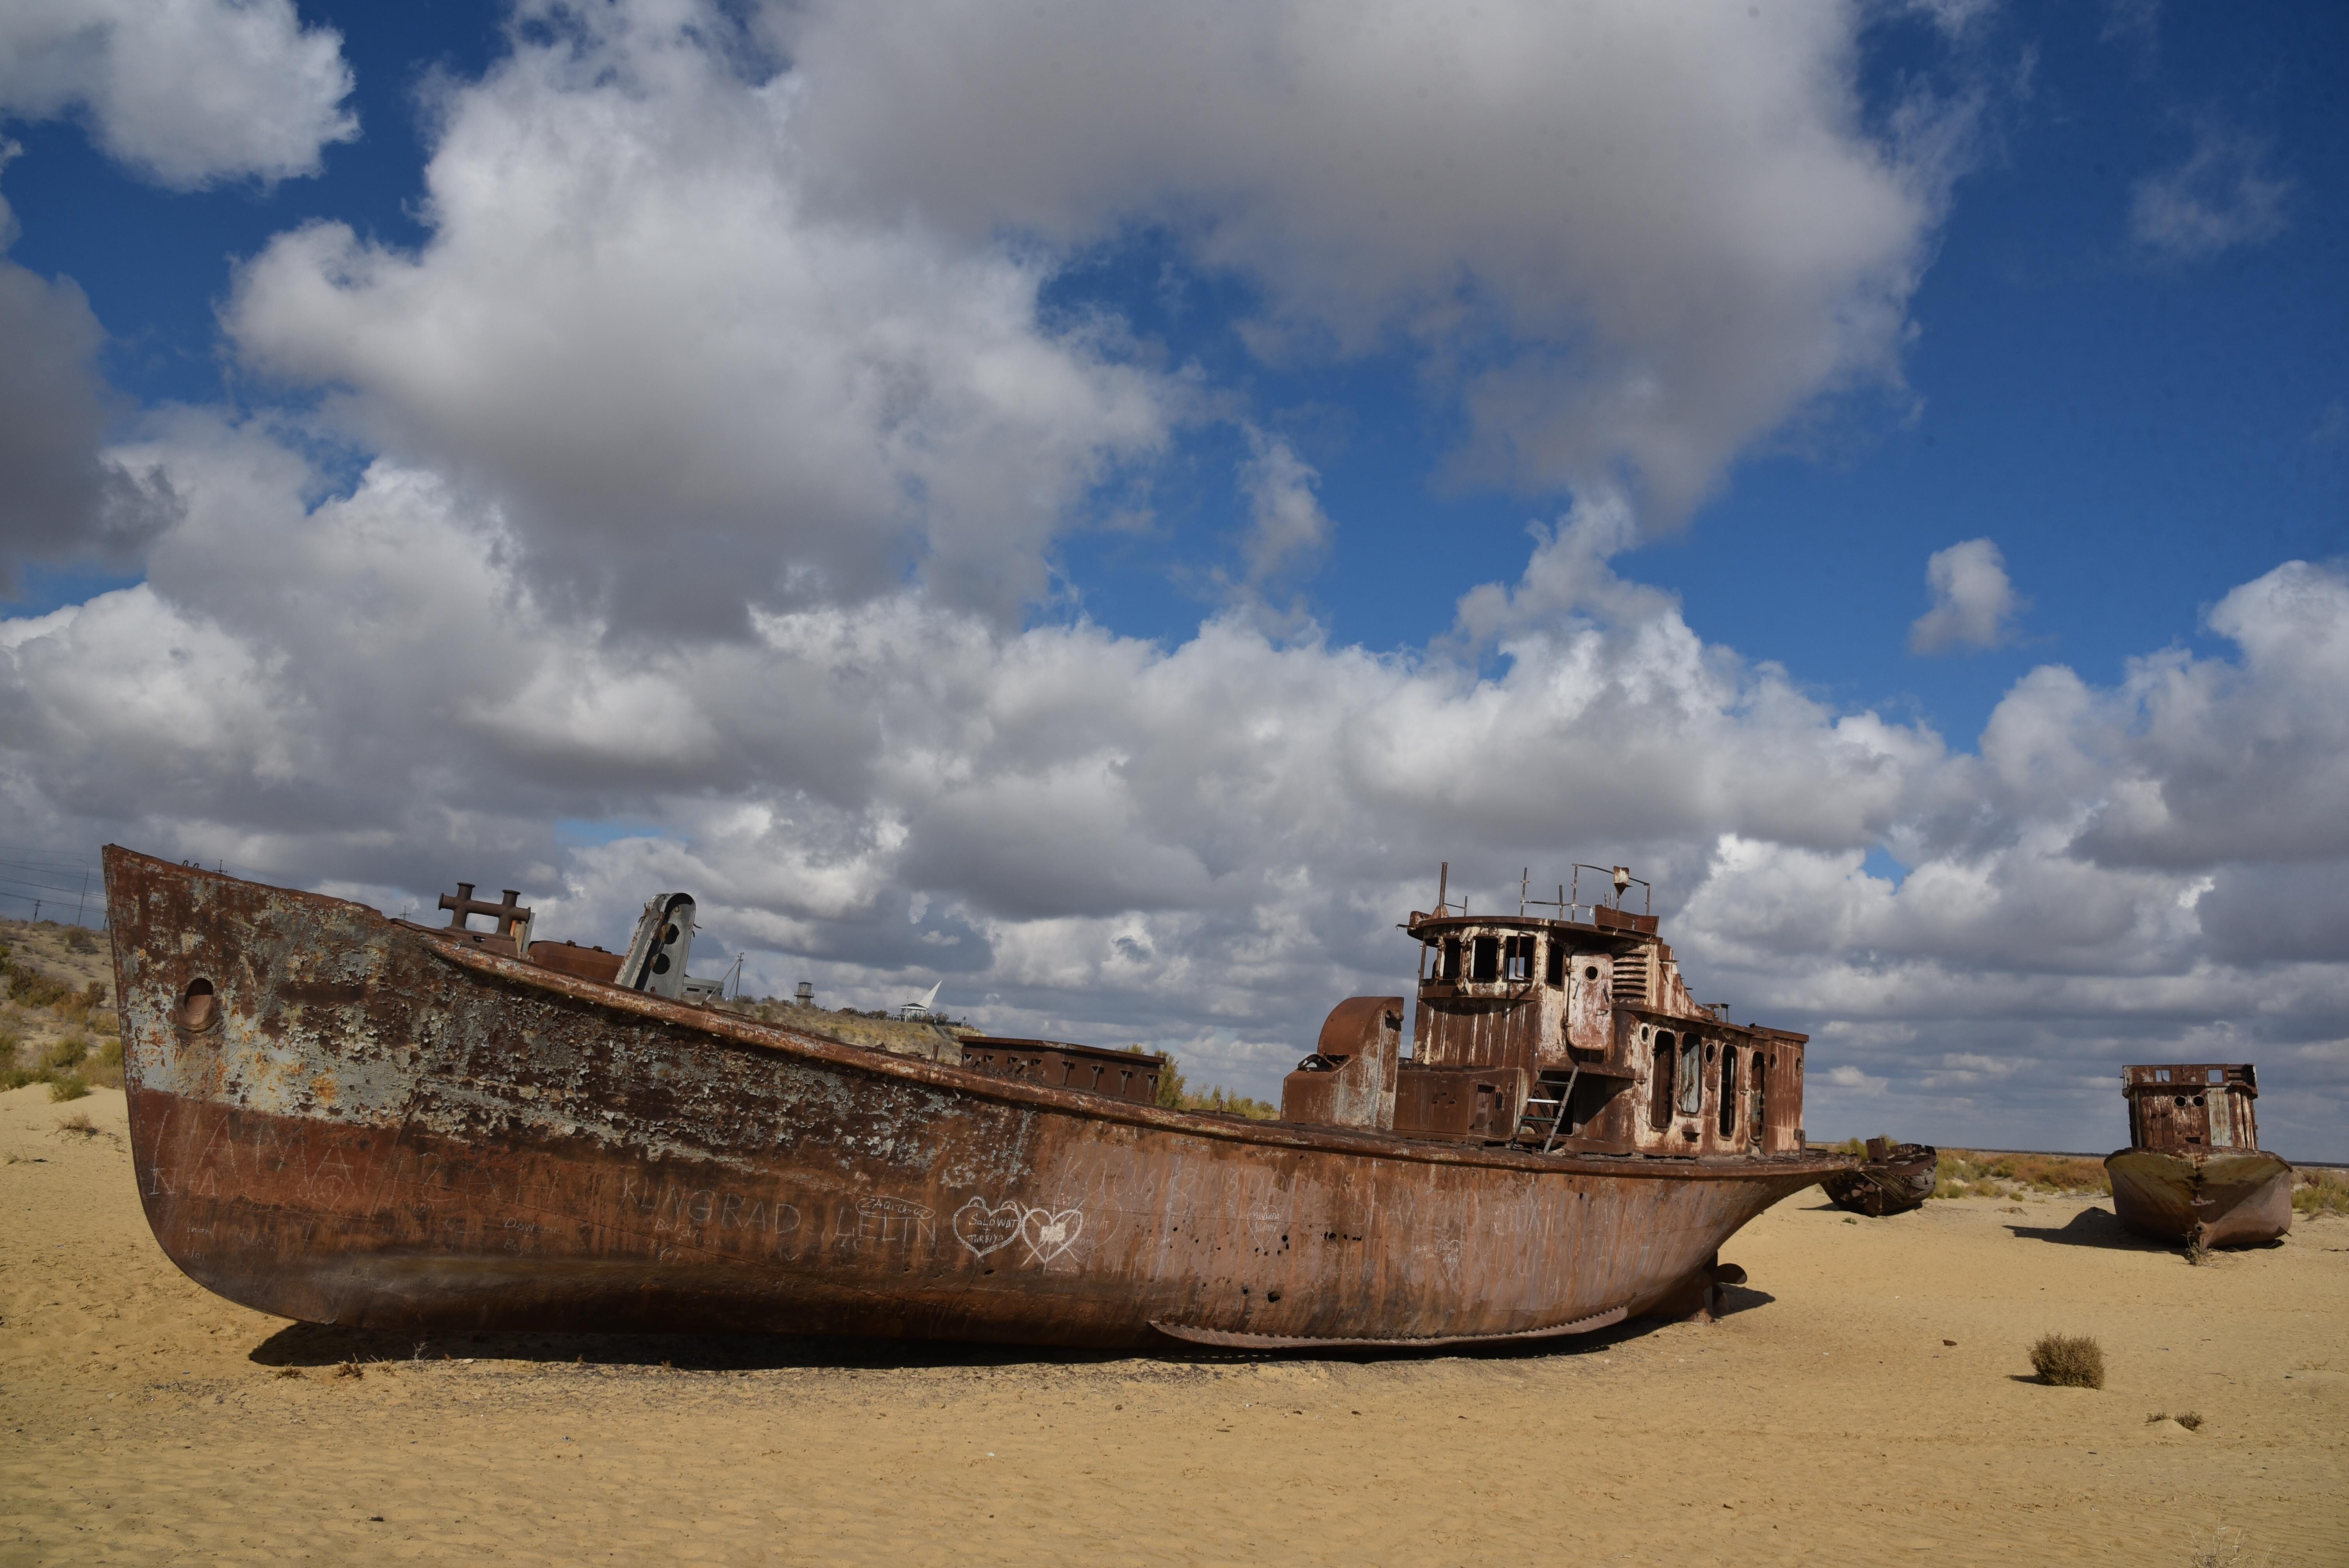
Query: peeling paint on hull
x: 375, y: 1125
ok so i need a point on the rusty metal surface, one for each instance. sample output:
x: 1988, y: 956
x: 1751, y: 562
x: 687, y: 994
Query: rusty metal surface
x: 571, y: 958
x: 1350, y: 1079
x: 1224, y: 1341
x: 1595, y: 1009
x: 2182, y: 1106
x: 343, y: 1119
x: 1118, y: 1075
x: 2225, y: 1198
x: 1894, y: 1180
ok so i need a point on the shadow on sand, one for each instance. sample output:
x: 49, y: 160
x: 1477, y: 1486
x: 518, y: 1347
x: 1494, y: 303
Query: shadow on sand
x: 2094, y: 1227
x: 319, y: 1345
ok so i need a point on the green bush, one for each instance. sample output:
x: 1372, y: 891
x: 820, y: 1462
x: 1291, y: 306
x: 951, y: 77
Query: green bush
x: 67, y: 1089
x: 2069, y: 1361
x: 68, y: 1052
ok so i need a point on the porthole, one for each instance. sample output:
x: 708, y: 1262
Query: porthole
x: 1590, y: 972
x: 198, y: 1007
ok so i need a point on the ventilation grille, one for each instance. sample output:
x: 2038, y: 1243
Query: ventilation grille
x: 1631, y: 979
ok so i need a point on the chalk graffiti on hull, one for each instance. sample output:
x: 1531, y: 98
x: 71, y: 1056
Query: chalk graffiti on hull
x: 985, y: 1229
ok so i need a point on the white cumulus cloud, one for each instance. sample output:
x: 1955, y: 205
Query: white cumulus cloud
x: 689, y: 393
x: 1633, y: 237
x: 1973, y: 602
x: 187, y: 92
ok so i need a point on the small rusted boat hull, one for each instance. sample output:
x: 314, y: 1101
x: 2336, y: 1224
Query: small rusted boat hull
x: 1894, y: 1185
x: 368, y: 1124
x: 2225, y: 1198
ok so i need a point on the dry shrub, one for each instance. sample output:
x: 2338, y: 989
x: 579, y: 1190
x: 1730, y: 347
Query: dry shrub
x: 349, y: 1369
x: 107, y: 1071
x: 2225, y: 1549
x: 2191, y: 1420
x: 2069, y: 1361
x: 287, y: 1372
x: 65, y: 1088
x: 1963, y: 1173
x: 32, y: 987
x: 67, y: 1053
x: 2321, y: 1192
x: 79, y: 940
x: 78, y: 1125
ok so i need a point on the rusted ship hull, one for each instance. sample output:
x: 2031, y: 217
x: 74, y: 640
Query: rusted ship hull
x: 373, y: 1125
x: 2225, y: 1198
x: 1895, y: 1185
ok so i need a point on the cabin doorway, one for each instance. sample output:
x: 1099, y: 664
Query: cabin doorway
x: 1659, y: 1110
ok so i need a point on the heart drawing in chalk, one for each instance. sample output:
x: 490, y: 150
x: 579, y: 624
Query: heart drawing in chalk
x: 1048, y: 1234
x: 984, y: 1228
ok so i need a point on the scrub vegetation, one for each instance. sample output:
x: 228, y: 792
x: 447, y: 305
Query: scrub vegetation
x: 2069, y: 1361
x: 2321, y: 1192
x: 1963, y: 1173
x: 55, y: 1029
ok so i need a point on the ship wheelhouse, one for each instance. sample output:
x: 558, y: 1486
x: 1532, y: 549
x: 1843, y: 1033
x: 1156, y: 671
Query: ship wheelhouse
x: 1568, y: 1033
x: 2188, y: 1107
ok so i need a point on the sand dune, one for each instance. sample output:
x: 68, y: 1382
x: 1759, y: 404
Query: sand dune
x: 1824, y: 1418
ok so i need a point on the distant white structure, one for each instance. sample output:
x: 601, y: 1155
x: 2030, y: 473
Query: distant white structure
x: 920, y: 1009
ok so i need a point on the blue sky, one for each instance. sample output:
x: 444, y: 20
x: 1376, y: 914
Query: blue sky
x: 2067, y: 280
x: 2136, y: 430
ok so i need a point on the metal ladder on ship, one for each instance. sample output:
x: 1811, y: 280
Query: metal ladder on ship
x: 1548, y: 1124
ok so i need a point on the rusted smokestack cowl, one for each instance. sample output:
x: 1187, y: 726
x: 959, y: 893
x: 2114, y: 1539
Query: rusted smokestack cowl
x: 805, y: 995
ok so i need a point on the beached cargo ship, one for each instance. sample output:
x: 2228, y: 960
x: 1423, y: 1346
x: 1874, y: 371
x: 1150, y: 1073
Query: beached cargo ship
x: 2194, y: 1171
x: 342, y: 1118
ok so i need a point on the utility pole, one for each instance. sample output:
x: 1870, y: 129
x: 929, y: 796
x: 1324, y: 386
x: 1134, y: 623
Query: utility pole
x: 84, y: 900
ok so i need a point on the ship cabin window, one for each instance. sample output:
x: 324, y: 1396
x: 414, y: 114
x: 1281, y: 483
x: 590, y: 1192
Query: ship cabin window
x: 1728, y: 1091
x: 1761, y: 1096
x: 1689, y: 1076
x: 1659, y: 1111
x: 1517, y: 958
x: 1447, y: 967
x: 2218, y: 1075
x: 2161, y: 1074
x: 1485, y: 958
x: 1556, y: 974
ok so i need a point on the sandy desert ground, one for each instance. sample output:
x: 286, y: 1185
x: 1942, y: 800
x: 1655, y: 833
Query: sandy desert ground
x: 1826, y: 1417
